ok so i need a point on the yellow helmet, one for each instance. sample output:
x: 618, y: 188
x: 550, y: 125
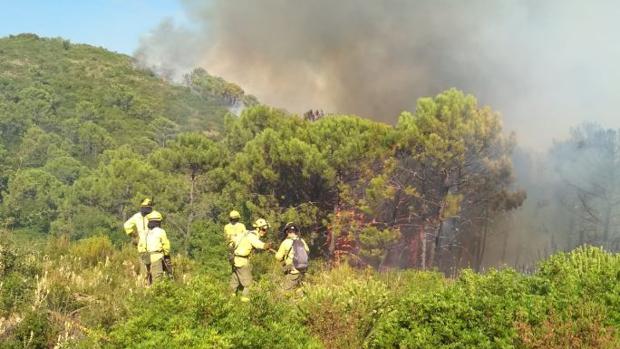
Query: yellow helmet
x: 154, y: 216
x: 234, y: 214
x: 146, y: 202
x: 261, y: 223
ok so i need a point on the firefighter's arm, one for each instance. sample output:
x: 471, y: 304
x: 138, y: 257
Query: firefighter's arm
x: 257, y: 243
x: 130, y: 226
x: 281, y: 251
x: 227, y: 233
x: 165, y: 243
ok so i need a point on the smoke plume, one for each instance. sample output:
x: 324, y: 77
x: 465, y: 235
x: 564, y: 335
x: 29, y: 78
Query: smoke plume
x: 545, y: 65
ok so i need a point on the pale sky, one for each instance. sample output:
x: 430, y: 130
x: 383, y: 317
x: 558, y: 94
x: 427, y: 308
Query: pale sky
x: 116, y: 25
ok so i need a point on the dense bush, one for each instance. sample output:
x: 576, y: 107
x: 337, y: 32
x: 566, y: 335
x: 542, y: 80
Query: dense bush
x: 586, y: 273
x: 570, y: 302
x: 202, y: 314
x: 87, y: 294
x: 92, y: 250
x: 343, y: 306
x: 19, y: 271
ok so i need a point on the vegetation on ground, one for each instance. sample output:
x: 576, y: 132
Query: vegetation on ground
x: 86, y: 294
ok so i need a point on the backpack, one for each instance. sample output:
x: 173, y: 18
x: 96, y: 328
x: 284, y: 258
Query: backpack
x: 300, y: 256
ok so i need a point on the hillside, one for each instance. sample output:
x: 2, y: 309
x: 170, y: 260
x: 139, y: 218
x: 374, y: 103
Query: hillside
x: 63, y: 105
x: 96, y: 99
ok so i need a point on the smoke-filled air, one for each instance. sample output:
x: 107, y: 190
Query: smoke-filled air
x: 544, y: 65
x: 548, y: 67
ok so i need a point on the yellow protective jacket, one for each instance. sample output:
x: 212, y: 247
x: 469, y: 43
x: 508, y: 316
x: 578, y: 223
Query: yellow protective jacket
x: 155, y: 243
x: 245, y: 243
x: 231, y: 231
x: 136, y: 225
x: 285, y: 253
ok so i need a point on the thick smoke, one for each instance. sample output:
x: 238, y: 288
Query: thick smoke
x: 545, y: 65
x: 170, y: 51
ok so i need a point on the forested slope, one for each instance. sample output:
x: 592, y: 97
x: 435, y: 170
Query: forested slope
x: 59, y: 86
x: 63, y: 105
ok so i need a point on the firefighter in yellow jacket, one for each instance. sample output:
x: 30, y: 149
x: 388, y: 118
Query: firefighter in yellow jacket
x: 154, y: 248
x: 293, y: 253
x: 234, y: 228
x: 137, y: 225
x: 244, y: 244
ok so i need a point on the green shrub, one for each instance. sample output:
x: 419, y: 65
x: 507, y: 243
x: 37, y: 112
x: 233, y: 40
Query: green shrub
x: 202, y: 315
x: 60, y: 298
x: 207, y: 246
x: 270, y: 320
x: 34, y: 331
x: 92, y: 250
x: 407, y: 282
x: 18, y: 271
x: 476, y: 312
x: 8, y: 260
x: 87, y: 295
x: 15, y: 291
x: 570, y: 302
x: 343, y: 305
x: 583, y: 327
x: 585, y: 273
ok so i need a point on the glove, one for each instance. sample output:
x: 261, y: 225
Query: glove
x: 267, y: 246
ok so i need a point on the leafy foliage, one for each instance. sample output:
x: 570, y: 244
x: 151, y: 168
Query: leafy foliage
x: 503, y: 309
x: 86, y: 294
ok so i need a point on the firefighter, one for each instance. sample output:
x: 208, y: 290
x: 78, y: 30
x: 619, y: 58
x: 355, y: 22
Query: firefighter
x: 154, y: 249
x: 136, y: 225
x: 244, y: 244
x: 293, y: 253
x: 234, y: 228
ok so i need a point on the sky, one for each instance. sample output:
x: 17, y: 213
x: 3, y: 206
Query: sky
x: 116, y: 25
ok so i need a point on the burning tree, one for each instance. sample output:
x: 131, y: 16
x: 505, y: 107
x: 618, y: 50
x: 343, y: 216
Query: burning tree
x: 447, y: 176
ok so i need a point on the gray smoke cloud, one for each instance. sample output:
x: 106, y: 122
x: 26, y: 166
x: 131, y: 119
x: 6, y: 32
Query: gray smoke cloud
x: 545, y: 65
